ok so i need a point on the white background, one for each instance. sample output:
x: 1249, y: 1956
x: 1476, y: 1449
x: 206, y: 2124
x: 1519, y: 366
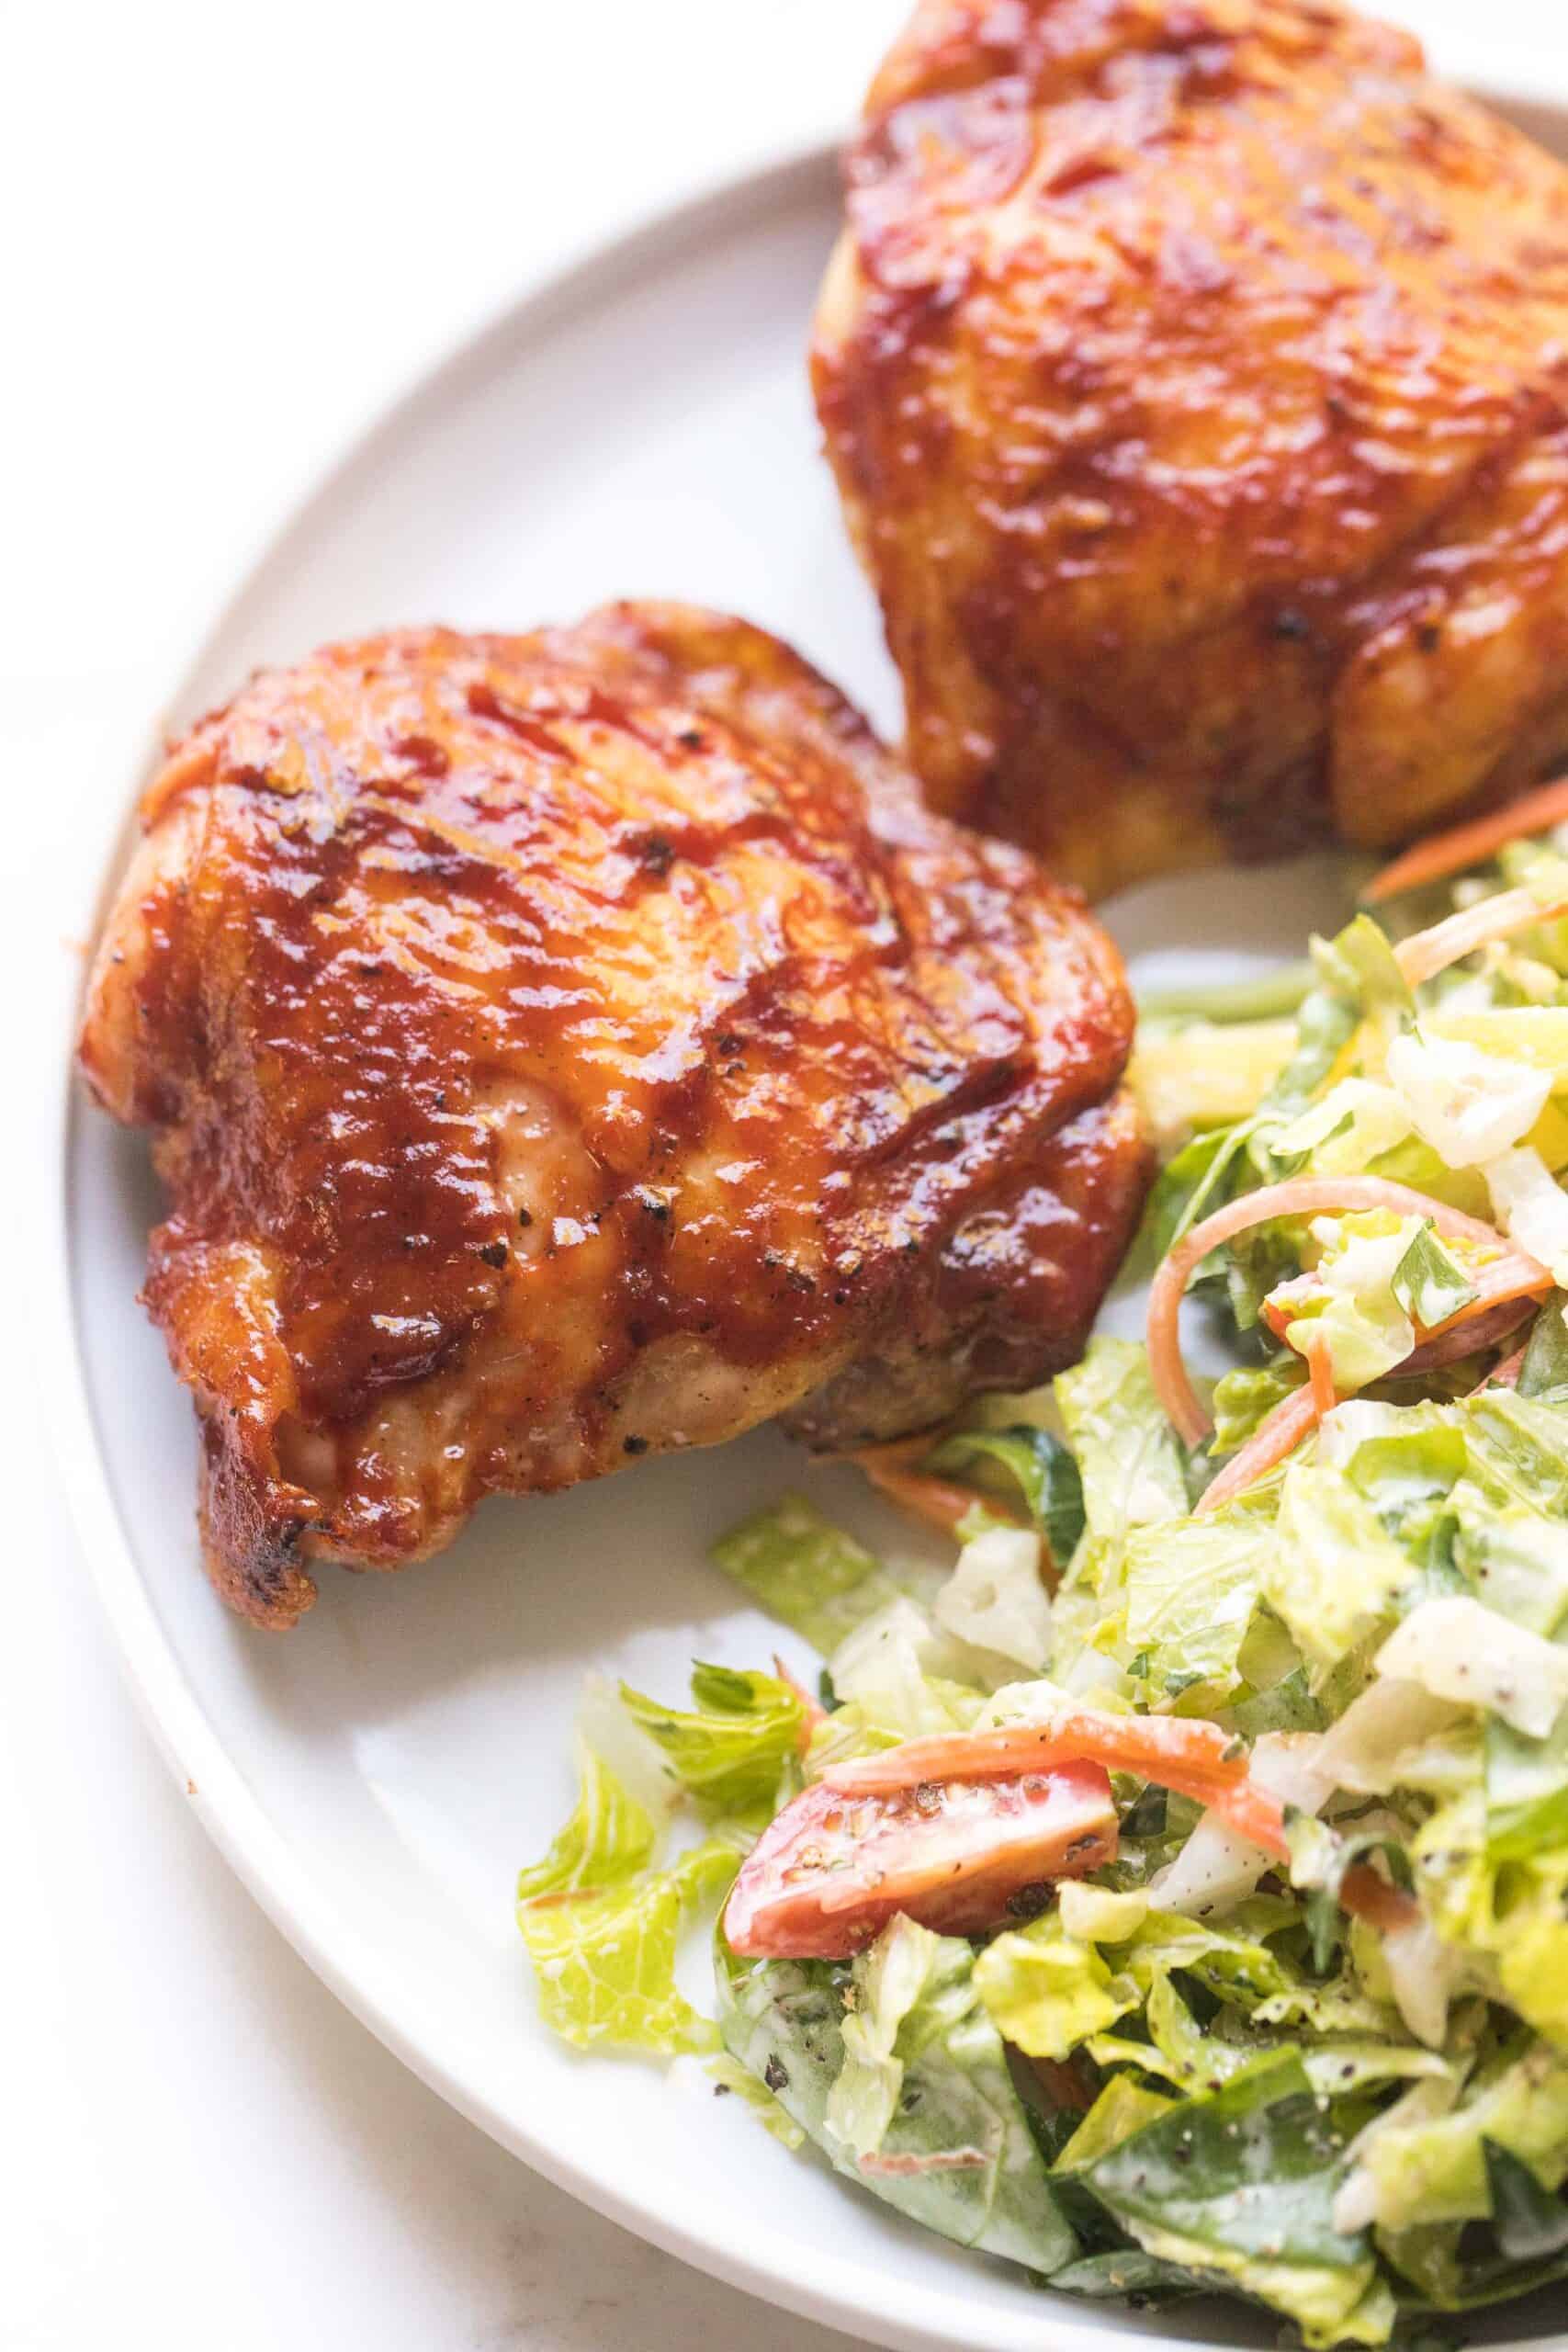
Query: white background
x: 229, y: 234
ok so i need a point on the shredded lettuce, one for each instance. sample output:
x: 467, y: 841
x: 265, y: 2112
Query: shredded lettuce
x: 1191, y: 1592
x: 604, y: 1962
x: 1129, y: 1459
x: 995, y: 1598
x: 1046, y: 1992
x: 1241, y: 2184
x: 1038, y: 1464
x: 959, y: 2153
x: 1468, y: 1105
x: 1331, y: 1573
x: 607, y: 1837
x: 728, y: 1749
x: 805, y: 1571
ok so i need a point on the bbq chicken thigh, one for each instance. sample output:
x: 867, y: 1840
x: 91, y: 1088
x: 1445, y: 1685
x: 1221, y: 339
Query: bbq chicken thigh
x: 1195, y: 373
x: 566, y: 1047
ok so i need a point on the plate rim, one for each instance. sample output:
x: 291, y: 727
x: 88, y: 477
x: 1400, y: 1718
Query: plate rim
x: 234, y: 1814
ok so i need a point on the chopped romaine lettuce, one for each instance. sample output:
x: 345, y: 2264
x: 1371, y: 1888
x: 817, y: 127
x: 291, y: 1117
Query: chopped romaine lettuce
x: 1241, y: 2183
x: 888, y: 1981
x: 1331, y: 1573
x: 1535, y: 1036
x: 1545, y: 1366
x: 1428, y: 1282
x: 1468, y: 1105
x: 607, y: 1836
x: 604, y: 1962
x: 1434, y: 2170
x: 958, y: 2155
x: 805, y: 1571
x: 1358, y: 965
x: 1245, y: 1396
x: 1128, y: 1455
x: 1457, y: 1649
x: 1517, y: 1560
x: 1345, y: 1130
x: 1191, y: 1592
x: 1200, y: 1179
x: 1332, y: 2080
x: 1123, y: 2107
x: 1527, y: 1789
x: 1198, y: 1075
x: 1519, y: 1449
x: 1046, y: 1992
x: 995, y: 1600
x: 729, y: 1748
x: 883, y: 1672
x: 1324, y: 1026
x: 1039, y: 1463
x: 1531, y: 1207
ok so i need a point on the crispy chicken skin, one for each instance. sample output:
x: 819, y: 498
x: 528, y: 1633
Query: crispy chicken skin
x: 1195, y: 373
x: 566, y: 1047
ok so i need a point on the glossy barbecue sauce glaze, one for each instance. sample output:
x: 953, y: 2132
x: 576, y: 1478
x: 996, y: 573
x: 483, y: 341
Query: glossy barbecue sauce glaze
x: 1196, y: 375
x: 527, y: 1003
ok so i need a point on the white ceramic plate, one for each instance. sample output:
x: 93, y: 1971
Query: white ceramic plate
x: 378, y: 1776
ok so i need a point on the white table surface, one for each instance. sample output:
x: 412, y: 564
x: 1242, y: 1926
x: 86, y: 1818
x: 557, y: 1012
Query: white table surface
x: 231, y: 233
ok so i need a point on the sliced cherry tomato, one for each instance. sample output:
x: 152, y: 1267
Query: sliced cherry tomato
x: 827, y: 1876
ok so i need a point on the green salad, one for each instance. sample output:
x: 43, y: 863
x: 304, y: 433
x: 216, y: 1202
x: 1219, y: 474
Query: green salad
x: 1169, y: 1891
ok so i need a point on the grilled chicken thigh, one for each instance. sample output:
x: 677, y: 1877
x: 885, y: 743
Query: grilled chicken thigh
x: 568, y: 1047
x: 1195, y: 373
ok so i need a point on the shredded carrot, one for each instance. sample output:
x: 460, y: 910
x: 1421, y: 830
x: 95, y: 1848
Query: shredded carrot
x: 1441, y: 854
x: 1479, y: 1326
x: 937, y: 1501
x: 1507, y: 1280
x: 1271, y: 1443
x: 1277, y: 1435
x: 1301, y: 1196
x: 1428, y: 952
x: 1282, y: 1431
